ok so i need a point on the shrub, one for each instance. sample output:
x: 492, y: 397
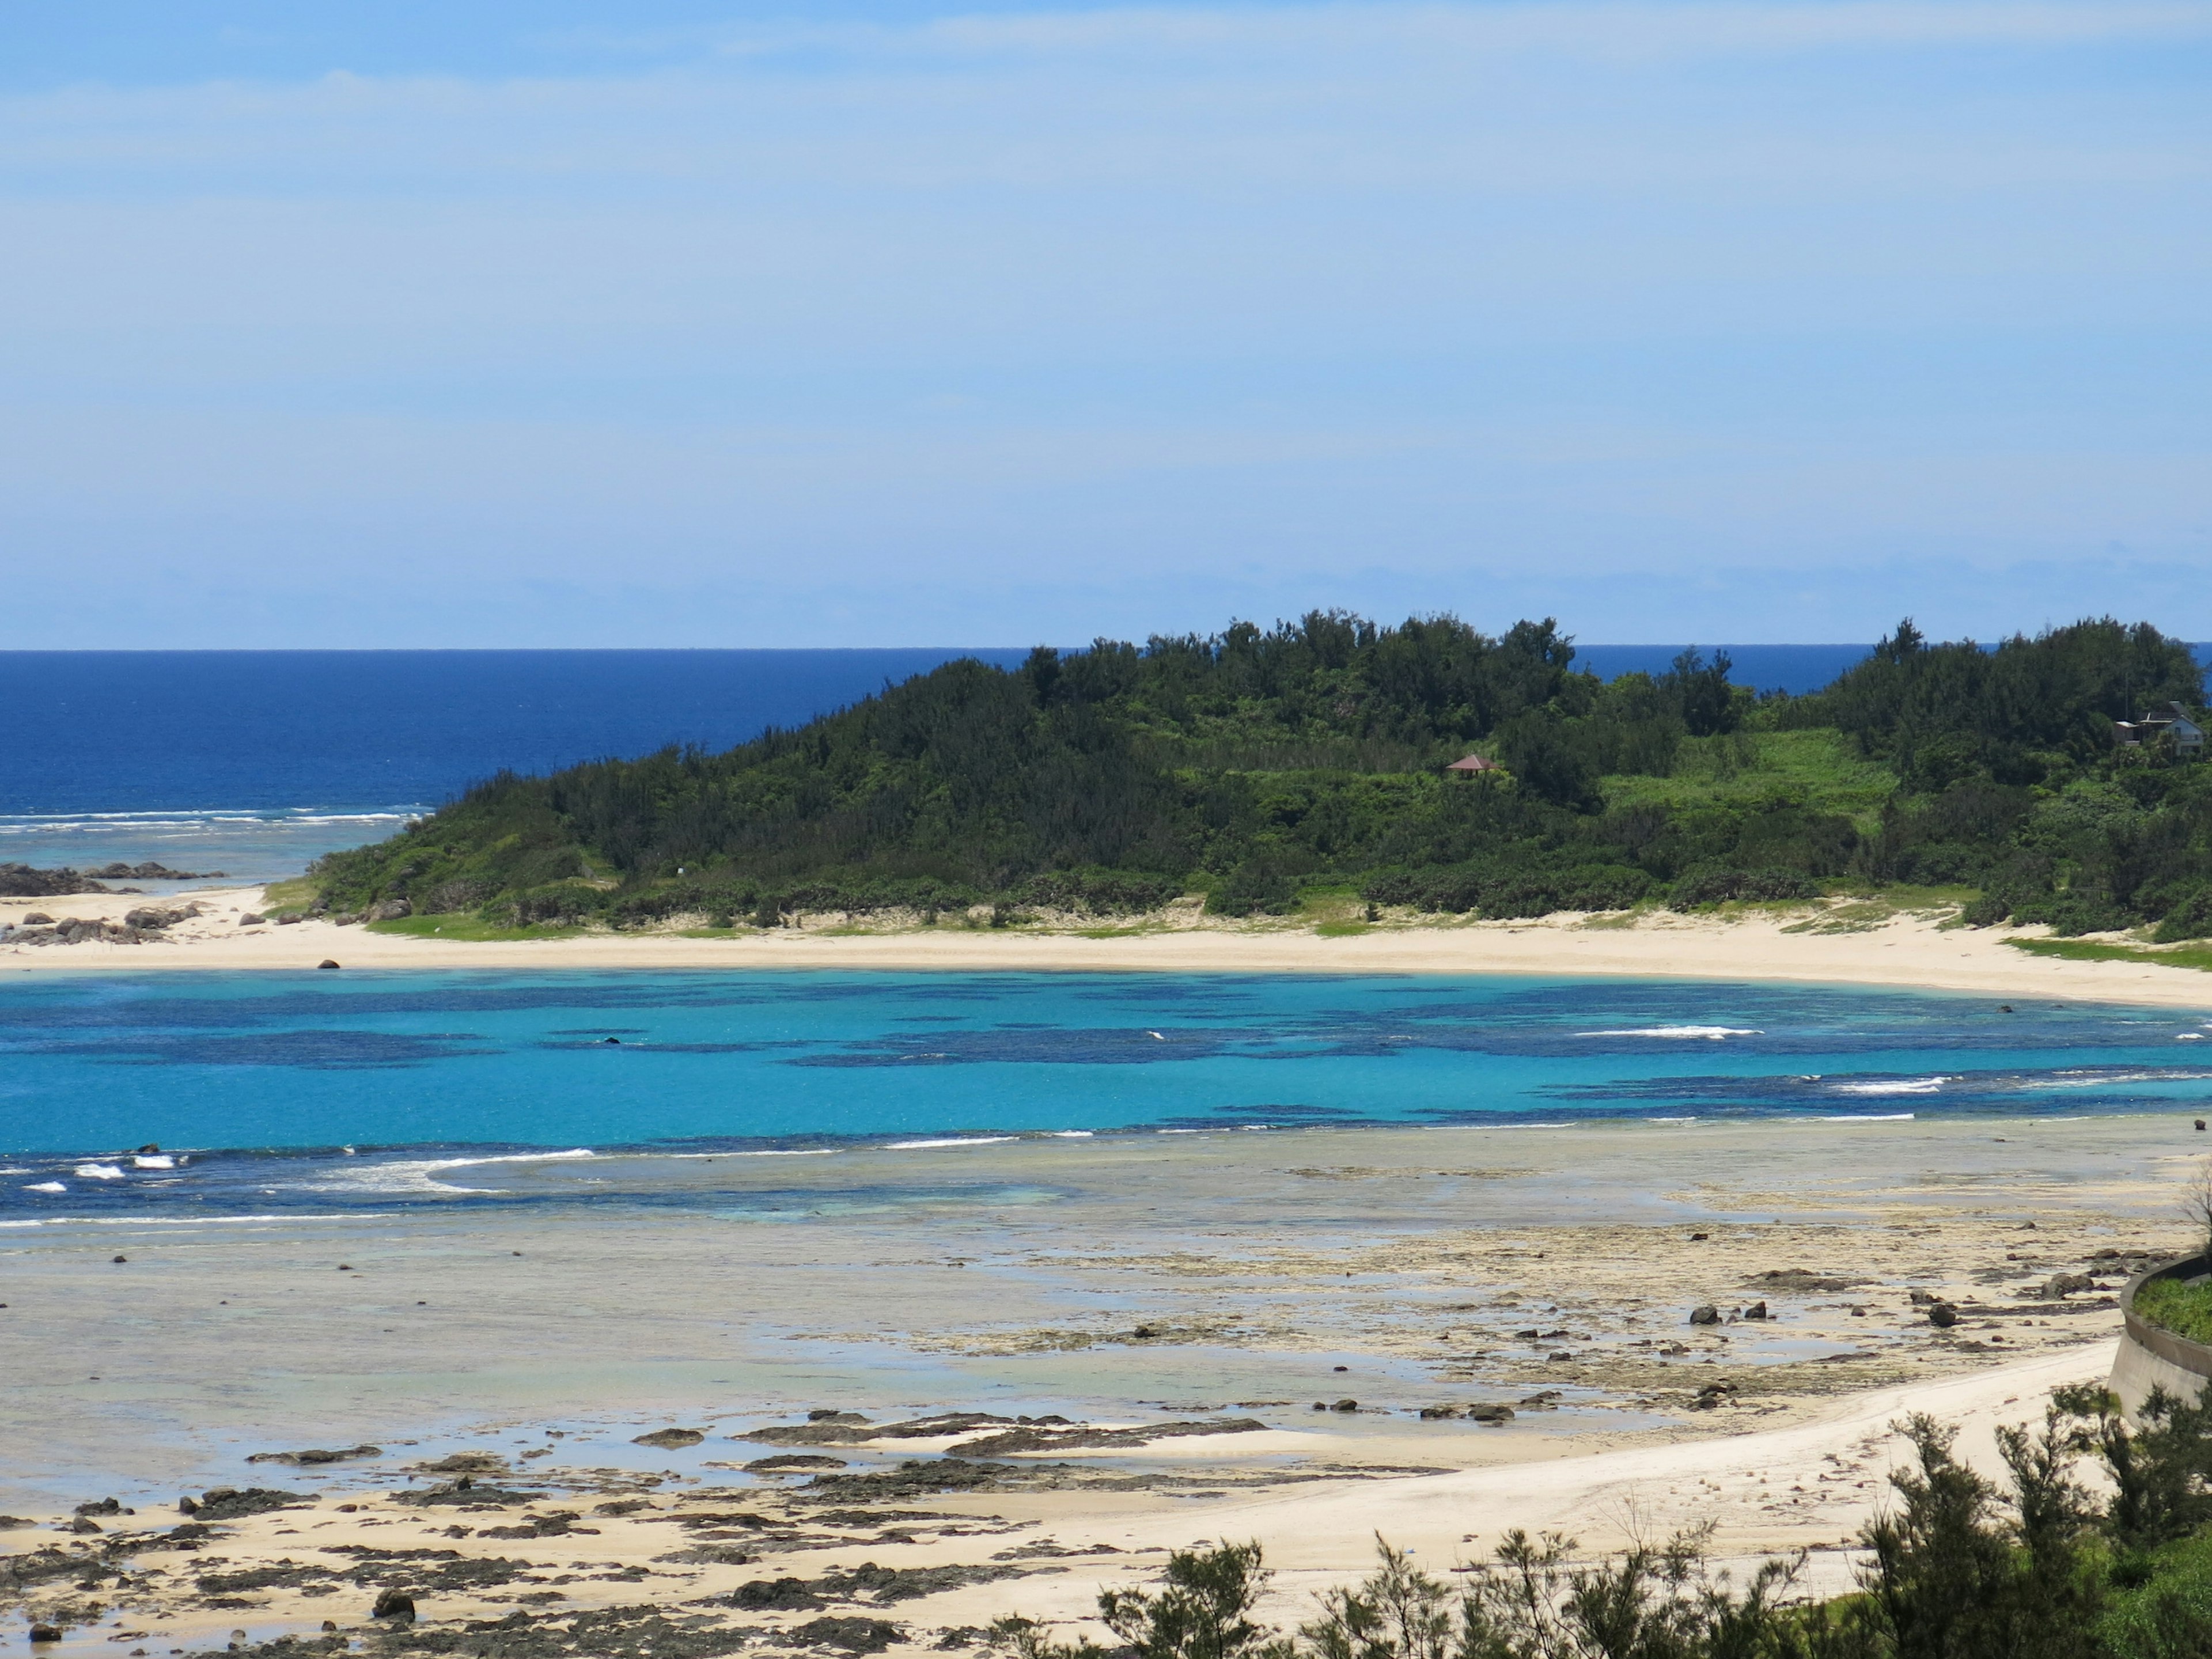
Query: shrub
x: 1257, y: 886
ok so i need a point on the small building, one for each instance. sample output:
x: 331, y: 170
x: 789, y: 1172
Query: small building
x: 2168, y: 719
x: 1484, y: 763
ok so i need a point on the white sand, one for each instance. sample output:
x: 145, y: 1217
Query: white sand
x: 1904, y: 951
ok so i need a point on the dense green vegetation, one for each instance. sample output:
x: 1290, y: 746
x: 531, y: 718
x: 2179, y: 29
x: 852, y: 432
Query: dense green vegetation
x: 1958, y: 1568
x: 1252, y: 766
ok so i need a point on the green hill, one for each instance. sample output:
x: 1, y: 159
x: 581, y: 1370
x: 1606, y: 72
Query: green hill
x: 1255, y: 765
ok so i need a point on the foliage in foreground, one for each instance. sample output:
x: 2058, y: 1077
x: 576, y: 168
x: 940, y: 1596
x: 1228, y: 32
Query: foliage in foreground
x: 1960, y: 1568
x: 1256, y: 766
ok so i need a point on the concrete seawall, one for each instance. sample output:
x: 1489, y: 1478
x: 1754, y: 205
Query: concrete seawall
x: 2152, y: 1358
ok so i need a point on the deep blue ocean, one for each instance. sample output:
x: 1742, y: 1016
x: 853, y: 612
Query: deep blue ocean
x: 254, y: 762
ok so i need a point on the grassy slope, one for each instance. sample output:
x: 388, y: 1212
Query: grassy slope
x: 2198, y: 957
x: 1820, y: 768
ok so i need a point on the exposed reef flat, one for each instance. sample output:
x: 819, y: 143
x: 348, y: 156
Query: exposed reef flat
x: 1496, y: 1326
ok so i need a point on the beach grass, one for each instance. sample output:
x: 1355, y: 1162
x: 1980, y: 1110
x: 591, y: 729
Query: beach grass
x: 466, y: 929
x: 285, y: 898
x: 2198, y: 957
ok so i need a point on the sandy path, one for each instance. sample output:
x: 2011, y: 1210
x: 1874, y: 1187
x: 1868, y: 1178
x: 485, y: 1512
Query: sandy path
x: 1905, y: 952
x: 1811, y: 1485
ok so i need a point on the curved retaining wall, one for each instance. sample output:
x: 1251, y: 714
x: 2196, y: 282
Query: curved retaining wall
x: 2150, y: 1356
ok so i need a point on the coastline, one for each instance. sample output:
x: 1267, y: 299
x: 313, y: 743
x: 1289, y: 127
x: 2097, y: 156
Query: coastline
x: 1900, y: 949
x: 1197, y: 1280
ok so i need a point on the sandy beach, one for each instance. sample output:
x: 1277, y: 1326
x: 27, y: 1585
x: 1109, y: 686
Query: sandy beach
x: 1842, y: 943
x: 1216, y: 1286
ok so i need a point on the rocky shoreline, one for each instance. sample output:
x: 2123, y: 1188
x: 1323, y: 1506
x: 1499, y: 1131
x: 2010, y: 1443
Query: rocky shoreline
x: 23, y: 881
x: 444, y: 1563
x: 144, y: 924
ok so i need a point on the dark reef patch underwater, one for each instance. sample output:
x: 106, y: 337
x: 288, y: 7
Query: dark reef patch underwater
x: 291, y: 1091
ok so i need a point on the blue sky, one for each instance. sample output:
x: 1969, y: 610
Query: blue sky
x: 692, y: 323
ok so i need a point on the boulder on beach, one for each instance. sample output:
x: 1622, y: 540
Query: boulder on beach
x: 394, y: 1604
x: 314, y: 1455
x: 1704, y: 1313
x: 670, y: 1439
x: 233, y: 1503
x: 151, y: 918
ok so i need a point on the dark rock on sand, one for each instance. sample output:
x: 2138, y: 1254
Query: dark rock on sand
x: 850, y: 1429
x: 326, y: 962
x: 9, y: 1523
x: 910, y: 1479
x: 467, y: 1463
x: 1490, y: 1413
x: 230, y: 1504
x: 46, y: 1633
x: 670, y: 1439
x: 101, y: 1506
x: 1048, y: 1439
x: 394, y: 1604
x: 1345, y: 1405
x: 790, y: 1460
x: 1756, y: 1310
x: 1800, y: 1281
x: 465, y: 1491
x: 1942, y: 1315
x: 779, y: 1595
x: 39, y: 1566
x: 84, y: 1524
x: 149, y: 918
x: 1704, y: 1313
x: 314, y: 1455
x: 847, y: 1635
x: 2064, y: 1284
x: 911, y: 1583
x: 559, y: 1523
x: 260, y: 1578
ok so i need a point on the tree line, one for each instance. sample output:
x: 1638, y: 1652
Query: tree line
x: 1254, y: 765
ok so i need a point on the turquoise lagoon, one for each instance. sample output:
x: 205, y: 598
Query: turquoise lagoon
x: 362, y: 1090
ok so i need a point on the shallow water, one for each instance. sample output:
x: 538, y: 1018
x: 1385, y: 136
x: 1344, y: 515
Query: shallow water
x: 285, y: 1093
